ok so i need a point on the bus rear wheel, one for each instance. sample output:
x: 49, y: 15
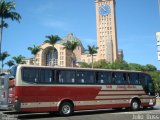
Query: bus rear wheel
x: 65, y: 109
x: 135, y: 105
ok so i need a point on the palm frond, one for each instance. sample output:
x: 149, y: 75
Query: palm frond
x: 92, y: 49
x: 35, y: 49
x: 13, y: 16
x: 4, y: 55
x: 52, y: 39
x: 6, y: 11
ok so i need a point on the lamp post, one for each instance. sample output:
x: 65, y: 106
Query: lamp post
x: 159, y: 6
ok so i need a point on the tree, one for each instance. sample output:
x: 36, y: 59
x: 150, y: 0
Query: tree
x: 19, y: 59
x: 85, y: 65
x: 120, y: 64
x: 135, y: 66
x: 156, y: 80
x: 102, y: 64
x: 149, y: 67
x: 71, y: 46
x: 10, y: 63
x: 52, y: 39
x: 92, y: 50
x: 3, y: 56
x: 34, y: 50
x: 6, y: 12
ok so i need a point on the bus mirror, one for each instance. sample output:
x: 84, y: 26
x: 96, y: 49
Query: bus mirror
x: 11, y: 77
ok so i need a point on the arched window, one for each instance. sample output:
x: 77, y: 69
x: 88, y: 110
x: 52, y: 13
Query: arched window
x: 49, y: 58
x: 52, y: 57
x: 55, y: 57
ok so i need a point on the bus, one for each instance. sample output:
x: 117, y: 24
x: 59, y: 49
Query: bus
x: 4, y: 81
x: 65, y: 90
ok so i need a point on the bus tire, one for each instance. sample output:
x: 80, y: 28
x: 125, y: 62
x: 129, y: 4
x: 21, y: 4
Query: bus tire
x: 145, y: 107
x: 65, y: 109
x: 135, y: 105
x: 117, y: 109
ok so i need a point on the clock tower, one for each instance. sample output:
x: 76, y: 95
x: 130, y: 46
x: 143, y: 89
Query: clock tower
x: 106, y: 30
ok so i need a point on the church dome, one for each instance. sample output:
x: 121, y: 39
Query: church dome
x: 71, y: 37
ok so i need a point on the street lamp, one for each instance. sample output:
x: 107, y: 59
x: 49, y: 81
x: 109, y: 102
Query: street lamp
x: 159, y: 6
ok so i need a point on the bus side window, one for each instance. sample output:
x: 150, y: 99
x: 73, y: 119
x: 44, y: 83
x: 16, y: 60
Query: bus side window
x: 52, y: 79
x: 45, y: 76
x: 118, y: 78
x: 30, y: 75
x: 89, y: 77
x: 60, y: 76
x: 103, y: 77
x: 125, y: 78
x: 80, y: 77
x: 99, y: 78
x: 85, y: 77
x: 133, y: 78
x: 66, y: 76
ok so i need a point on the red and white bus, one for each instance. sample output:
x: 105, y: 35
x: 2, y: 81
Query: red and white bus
x: 52, y: 89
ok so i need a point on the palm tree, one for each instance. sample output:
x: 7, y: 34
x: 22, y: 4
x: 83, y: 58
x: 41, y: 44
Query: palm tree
x: 19, y: 59
x: 10, y: 63
x: 34, y: 50
x: 92, y: 50
x: 6, y: 12
x: 71, y: 45
x: 3, y: 56
x: 52, y: 39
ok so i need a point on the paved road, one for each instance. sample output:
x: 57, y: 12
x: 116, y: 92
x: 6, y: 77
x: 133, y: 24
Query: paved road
x: 149, y: 114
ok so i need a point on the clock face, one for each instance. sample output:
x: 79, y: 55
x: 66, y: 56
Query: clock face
x: 104, y: 10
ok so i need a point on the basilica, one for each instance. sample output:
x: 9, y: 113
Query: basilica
x: 106, y: 42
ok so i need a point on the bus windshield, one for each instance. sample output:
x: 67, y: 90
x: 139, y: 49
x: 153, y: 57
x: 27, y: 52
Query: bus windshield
x: 147, y: 84
x: 13, y: 71
x: 1, y: 82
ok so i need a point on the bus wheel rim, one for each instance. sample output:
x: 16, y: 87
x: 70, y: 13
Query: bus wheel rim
x: 135, y: 105
x: 66, y: 109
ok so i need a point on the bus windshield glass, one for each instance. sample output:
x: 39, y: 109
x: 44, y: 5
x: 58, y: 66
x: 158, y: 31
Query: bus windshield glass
x: 1, y: 82
x: 147, y: 84
x: 13, y: 71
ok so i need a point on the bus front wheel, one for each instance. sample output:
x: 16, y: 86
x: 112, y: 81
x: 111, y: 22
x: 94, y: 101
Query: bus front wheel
x: 135, y: 105
x: 65, y: 109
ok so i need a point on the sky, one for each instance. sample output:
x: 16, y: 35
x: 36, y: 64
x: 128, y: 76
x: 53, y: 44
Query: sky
x: 137, y: 23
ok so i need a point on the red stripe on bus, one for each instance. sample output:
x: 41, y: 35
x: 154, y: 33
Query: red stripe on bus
x: 56, y: 93
x: 40, y: 109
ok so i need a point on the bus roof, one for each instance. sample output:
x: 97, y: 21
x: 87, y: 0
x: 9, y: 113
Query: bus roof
x: 76, y: 68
